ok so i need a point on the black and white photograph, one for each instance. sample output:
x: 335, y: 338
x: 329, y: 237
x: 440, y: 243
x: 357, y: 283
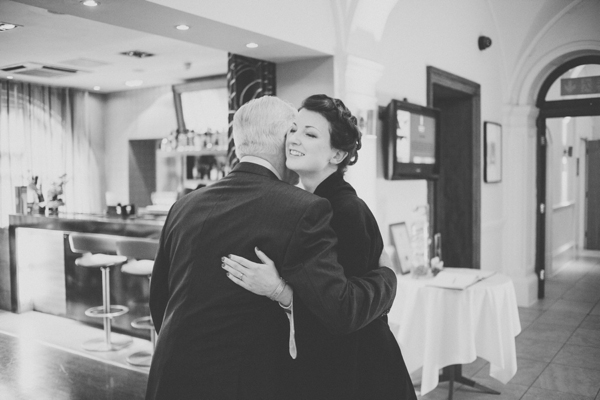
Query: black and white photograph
x: 246, y: 200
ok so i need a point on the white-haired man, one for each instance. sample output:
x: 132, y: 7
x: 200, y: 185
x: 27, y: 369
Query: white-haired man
x: 217, y: 340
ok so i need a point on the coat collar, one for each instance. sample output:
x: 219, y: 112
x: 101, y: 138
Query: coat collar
x: 332, y: 185
x: 253, y: 168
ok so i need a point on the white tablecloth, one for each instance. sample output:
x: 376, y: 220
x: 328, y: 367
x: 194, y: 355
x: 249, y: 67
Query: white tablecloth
x: 438, y: 327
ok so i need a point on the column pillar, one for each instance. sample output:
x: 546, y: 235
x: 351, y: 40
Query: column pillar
x: 360, y: 77
x: 519, y: 200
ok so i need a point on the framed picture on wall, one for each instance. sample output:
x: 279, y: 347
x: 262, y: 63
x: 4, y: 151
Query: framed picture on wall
x: 403, y: 250
x: 492, y: 152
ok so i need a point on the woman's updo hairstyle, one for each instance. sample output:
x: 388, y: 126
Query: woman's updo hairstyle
x: 344, y: 131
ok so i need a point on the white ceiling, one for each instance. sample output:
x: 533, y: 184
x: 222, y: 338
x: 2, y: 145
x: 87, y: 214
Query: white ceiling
x: 64, y: 33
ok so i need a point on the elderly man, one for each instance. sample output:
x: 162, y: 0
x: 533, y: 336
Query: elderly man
x: 217, y: 340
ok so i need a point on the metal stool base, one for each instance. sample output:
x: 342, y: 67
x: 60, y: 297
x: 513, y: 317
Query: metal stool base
x: 99, y: 312
x: 99, y: 344
x: 140, y: 359
x: 143, y: 323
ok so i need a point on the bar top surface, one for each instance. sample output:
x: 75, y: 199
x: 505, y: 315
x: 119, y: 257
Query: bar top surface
x: 91, y: 223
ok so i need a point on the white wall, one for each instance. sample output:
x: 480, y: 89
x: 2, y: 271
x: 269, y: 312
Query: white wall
x: 297, y: 80
x: 445, y: 39
x: 136, y: 114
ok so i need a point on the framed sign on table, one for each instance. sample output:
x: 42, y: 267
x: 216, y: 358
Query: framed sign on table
x: 492, y: 152
x: 403, y: 250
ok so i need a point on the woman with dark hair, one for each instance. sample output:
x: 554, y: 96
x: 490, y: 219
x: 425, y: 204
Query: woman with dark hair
x: 366, y: 364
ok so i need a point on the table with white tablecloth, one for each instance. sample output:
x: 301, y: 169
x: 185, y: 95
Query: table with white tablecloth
x: 439, y: 327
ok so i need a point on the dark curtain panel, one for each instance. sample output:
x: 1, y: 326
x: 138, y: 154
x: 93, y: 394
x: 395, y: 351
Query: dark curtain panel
x: 247, y: 79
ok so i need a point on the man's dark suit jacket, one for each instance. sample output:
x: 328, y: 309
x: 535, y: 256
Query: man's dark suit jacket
x: 219, y: 341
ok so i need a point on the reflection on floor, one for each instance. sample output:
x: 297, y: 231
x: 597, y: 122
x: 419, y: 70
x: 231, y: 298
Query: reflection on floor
x: 41, y: 358
x: 558, y: 352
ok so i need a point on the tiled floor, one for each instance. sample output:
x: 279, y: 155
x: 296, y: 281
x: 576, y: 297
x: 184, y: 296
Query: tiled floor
x: 558, y: 350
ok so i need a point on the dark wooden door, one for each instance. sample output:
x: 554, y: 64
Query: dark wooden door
x: 540, y: 251
x: 593, y: 196
x: 455, y: 197
x: 453, y: 188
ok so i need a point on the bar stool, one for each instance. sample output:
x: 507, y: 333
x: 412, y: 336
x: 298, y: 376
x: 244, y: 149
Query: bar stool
x: 99, y: 251
x: 140, y: 253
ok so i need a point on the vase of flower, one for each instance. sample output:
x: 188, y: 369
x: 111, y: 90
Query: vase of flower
x: 55, y: 194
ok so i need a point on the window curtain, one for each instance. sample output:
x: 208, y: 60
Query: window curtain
x: 49, y: 132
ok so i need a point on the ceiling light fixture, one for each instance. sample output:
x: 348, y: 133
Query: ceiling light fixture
x: 134, y: 83
x: 137, y: 53
x: 182, y: 27
x: 7, y: 26
x: 96, y: 87
x: 90, y: 3
x: 9, y: 77
x: 251, y: 45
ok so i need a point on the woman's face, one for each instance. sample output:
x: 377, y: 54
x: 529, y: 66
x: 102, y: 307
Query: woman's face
x: 308, y: 149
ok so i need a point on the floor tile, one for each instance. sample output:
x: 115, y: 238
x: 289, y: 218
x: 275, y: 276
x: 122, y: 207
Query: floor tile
x: 528, y: 371
x: 544, y: 331
x: 525, y: 322
x: 589, y: 282
x: 535, y: 393
x: 570, y: 319
x: 529, y: 312
x: 542, y: 304
x: 586, y: 295
x: 554, y: 290
x: 591, y: 322
x: 596, y: 309
x: 585, y: 382
x: 585, y: 337
x: 471, y: 369
x: 439, y: 393
x: 509, y: 391
x: 536, y: 349
x: 572, y: 306
x: 579, y: 356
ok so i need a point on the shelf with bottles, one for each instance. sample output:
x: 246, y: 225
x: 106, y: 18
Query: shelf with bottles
x: 208, y: 142
x: 207, y: 168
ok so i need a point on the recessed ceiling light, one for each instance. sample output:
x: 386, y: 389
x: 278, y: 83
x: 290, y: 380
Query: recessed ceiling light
x: 96, y: 87
x: 182, y: 27
x: 90, y: 3
x: 9, y: 77
x: 7, y: 26
x: 251, y: 45
x: 133, y: 83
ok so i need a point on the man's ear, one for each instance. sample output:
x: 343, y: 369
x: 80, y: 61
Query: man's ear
x: 338, y: 157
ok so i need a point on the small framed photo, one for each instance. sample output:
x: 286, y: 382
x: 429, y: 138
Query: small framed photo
x: 492, y: 152
x: 403, y: 250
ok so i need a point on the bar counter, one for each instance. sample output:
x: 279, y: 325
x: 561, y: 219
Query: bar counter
x: 44, y: 277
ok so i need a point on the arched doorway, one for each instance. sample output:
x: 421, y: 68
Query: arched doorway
x: 566, y: 92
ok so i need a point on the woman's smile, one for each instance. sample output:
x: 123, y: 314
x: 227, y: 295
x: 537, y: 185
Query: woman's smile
x: 295, y: 153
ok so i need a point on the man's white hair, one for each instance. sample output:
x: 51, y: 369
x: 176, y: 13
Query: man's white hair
x: 260, y: 124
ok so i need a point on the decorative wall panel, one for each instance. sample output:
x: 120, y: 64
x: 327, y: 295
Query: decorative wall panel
x: 247, y: 79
